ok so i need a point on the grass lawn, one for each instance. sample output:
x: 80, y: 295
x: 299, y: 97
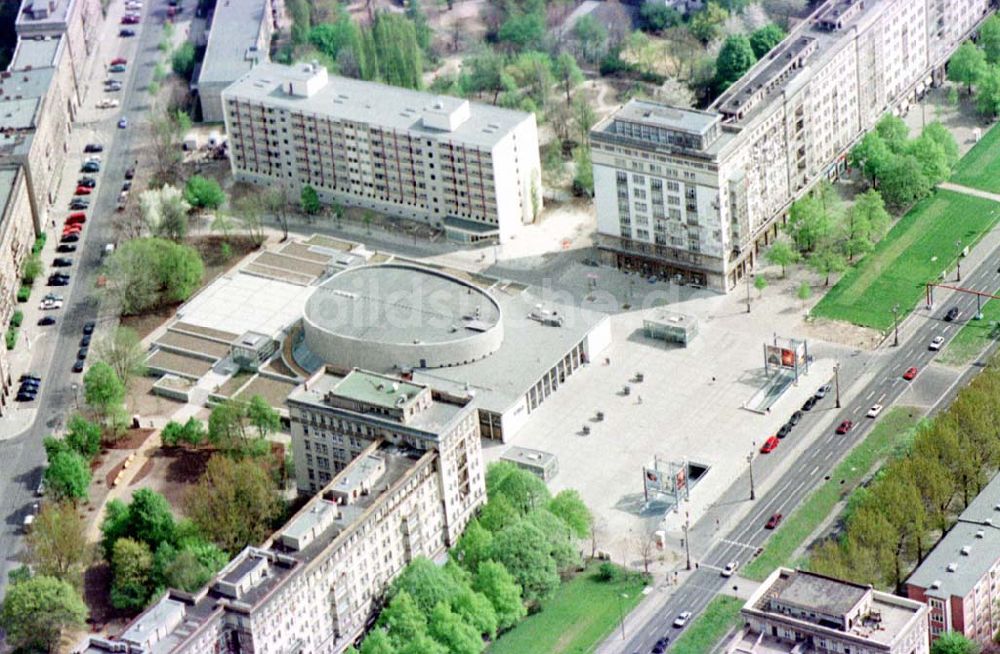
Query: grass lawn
x: 578, y: 616
x: 974, y: 336
x: 916, y: 250
x: 980, y: 168
x: 721, y: 615
x: 891, y: 429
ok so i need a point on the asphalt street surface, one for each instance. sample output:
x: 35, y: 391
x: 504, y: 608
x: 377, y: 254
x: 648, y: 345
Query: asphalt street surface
x: 54, y: 353
x: 714, y: 551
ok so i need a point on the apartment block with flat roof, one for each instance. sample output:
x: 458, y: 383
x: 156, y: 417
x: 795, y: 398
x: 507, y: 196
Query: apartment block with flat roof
x: 798, y: 612
x: 17, y: 233
x: 315, y: 585
x: 470, y: 169
x: 958, y: 578
x: 77, y: 20
x: 239, y: 38
x: 695, y: 195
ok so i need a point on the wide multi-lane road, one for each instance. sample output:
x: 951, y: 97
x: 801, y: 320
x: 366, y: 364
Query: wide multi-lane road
x: 883, y: 383
x: 53, y: 354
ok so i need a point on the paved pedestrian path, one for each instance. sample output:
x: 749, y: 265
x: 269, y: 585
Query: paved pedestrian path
x: 968, y: 190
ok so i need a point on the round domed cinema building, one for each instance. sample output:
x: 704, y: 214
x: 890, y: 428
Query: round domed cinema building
x: 398, y: 316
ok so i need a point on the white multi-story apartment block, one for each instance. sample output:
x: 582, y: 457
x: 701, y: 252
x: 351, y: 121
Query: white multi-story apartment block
x: 239, y: 38
x: 470, y: 169
x: 799, y: 612
x: 694, y: 195
x: 314, y: 585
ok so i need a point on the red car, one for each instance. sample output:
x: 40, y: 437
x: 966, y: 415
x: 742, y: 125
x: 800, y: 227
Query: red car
x: 773, y: 521
x: 770, y: 445
x: 83, y: 190
x: 72, y: 229
x: 910, y: 373
x: 129, y: 19
x: 119, y: 60
x: 845, y: 427
x: 79, y: 217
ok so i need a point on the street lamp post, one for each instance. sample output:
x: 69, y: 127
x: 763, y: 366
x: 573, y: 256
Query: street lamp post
x: 958, y: 262
x: 687, y: 537
x: 753, y: 490
x: 746, y: 275
x: 895, y: 325
x: 836, y: 380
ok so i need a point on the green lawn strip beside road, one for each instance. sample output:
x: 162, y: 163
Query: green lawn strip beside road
x: 972, y: 338
x: 575, y: 619
x: 980, y: 168
x: 891, y: 429
x: 916, y: 250
x: 721, y: 615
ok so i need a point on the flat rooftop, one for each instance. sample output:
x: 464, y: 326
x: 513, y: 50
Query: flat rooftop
x: 432, y: 420
x: 528, y: 456
x: 36, y: 52
x: 377, y: 390
x: 661, y: 115
x: 18, y: 114
x: 234, y: 30
x: 389, y: 107
x: 400, y: 304
x: 239, y: 302
x: 43, y: 15
x: 817, y: 593
x: 529, y: 350
x: 33, y: 83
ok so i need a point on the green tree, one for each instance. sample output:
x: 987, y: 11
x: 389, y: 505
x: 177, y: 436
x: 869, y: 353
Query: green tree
x: 150, y: 519
x: 131, y: 568
x: 235, y: 503
x: 403, y: 620
x: 735, y: 58
x: 894, y: 132
x: 477, y: 611
x: 866, y: 223
x: 583, y: 176
x: 592, y: 36
x: 165, y: 212
x: 988, y: 93
x: 83, y: 436
x: 482, y: 73
x: 782, y: 254
x: 953, y: 642
x: 706, y: 25
x: 103, y: 390
x: 568, y: 73
x: 501, y: 589
x: 827, y: 261
x: 941, y: 135
x: 423, y: 644
x: 764, y: 39
x: 522, y: 489
x: 36, y: 611
x: 760, y: 283
x: 144, y: 273
x: 872, y: 156
x: 124, y: 353
x: 657, y: 16
x: 422, y: 30
x: 804, y: 291
x: 182, y: 61
x: 989, y: 39
x: 932, y: 158
x: 498, y: 514
x: 525, y: 551
x: 904, y: 182
x: 523, y: 31
x: 967, y: 65
x: 427, y: 583
x: 114, y: 526
x: 191, y: 433
x: 377, y: 642
x: 204, y: 193
x: 57, y: 544
x: 310, y: 200
x: 449, y: 629
x: 227, y: 428
x: 33, y: 269
x: 474, y: 547
x: 264, y: 418
x: 809, y: 223
x: 67, y: 477
x: 568, y: 506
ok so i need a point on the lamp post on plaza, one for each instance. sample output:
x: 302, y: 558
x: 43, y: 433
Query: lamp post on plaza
x: 753, y: 490
x: 958, y: 261
x: 836, y: 380
x: 895, y: 325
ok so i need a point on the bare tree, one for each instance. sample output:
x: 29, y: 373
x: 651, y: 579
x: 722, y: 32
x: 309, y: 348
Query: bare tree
x: 645, y: 547
x: 276, y: 203
x: 167, y: 131
x: 249, y: 210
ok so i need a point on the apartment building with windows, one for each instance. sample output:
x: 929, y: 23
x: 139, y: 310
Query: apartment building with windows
x: 799, y: 612
x: 470, y: 169
x: 315, y: 584
x: 695, y: 195
x: 17, y: 233
x: 239, y: 38
x: 958, y: 579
